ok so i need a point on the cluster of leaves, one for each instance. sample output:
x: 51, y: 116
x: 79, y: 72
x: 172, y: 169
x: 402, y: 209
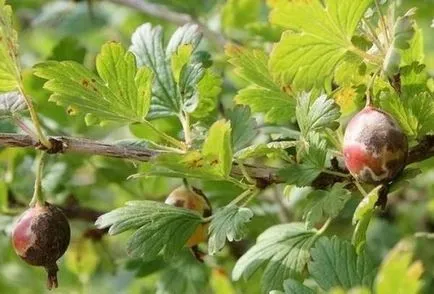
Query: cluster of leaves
x: 303, y: 86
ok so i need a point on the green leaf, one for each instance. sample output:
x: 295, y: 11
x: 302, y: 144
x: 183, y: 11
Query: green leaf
x: 315, y: 153
x: 367, y: 204
x: 335, y: 263
x: 277, y: 106
x: 415, y: 113
x: 4, y: 205
x: 415, y: 52
x: 403, y: 32
x: 323, y: 204
x: 229, y: 223
x: 10, y: 103
x: 313, y: 158
x: 243, y: 127
x: 316, y: 114
x: 179, y: 59
x: 209, y: 87
x: 264, y: 94
x: 272, y: 149
x: 189, y: 78
x: 359, y: 235
x: 300, y: 174
x: 362, y: 217
x: 265, y: 30
x: 214, y: 162
x: 69, y: 48
x: 283, y: 250
x: 236, y: 14
x: 308, y: 54
x: 158, y: 227
x: 190, y: 165
x: 356, y: 290
x: 184, y: 275
x: 10, y: 75
x: 198, y: 86
x: 121, y: 92
x: 217, y: 147
x: 147, y: 46
x: 295, y: 287
x: 397, y: 274
x: 143, y: 268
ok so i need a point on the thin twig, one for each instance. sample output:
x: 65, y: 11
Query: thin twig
x: 262, y: 174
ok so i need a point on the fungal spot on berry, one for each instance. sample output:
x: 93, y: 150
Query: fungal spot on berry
x: 40, y: 237
x: 375, y: 147
x: 179, y: 203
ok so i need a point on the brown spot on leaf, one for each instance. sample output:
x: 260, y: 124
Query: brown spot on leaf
x: 85, y: 83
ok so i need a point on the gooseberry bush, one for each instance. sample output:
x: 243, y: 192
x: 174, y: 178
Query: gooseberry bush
x: 235, y: 146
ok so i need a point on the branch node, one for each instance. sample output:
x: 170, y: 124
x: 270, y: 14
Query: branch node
x: 57, y: 146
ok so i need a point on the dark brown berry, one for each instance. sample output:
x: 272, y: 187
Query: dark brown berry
x: 40, y: 237
x: 375, y: 147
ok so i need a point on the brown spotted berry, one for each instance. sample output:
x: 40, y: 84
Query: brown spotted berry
x: 193, y: 200
x: 375, y: 148
x: 40, y: 237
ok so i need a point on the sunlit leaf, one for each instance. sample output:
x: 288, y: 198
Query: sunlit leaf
x: 308, y: 54
x: 9, y: 65
x: 121, y: 92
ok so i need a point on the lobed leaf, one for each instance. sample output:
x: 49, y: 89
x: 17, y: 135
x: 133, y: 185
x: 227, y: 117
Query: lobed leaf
x: 184, y: 275
x: 217, y: 147
x: 272, y: 149
x: 316, y: 114
x: 213, y: 162
x: 10, y: 103
x: 335, y: 263
x: 208, y: 90
x: 158, y: 227
x: 300, y: 174
x: 10, y: 76
x: 228, y: 222
x: 243, y: 127
x: 403, y: 32
x: 415, y: 113
x: 121, y: 92
x: 264, y: 94
x: 293, y: 286
x: 283, y: 250
x: 178, y: 77
x: 323, y: 204
x: 308, y: 54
